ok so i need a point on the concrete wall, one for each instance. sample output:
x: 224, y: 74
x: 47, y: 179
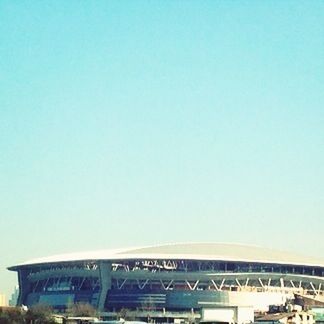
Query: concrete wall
x: 228, y: 314
x: 259, y: 300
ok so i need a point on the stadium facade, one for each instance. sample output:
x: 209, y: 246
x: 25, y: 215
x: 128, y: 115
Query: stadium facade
x: 173, y: 277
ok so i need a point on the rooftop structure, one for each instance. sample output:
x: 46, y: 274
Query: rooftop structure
x: 194, y: 251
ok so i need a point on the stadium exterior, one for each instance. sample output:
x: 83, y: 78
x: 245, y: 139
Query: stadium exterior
x: 172, y: 278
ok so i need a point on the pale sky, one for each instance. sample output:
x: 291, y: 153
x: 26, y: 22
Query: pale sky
x: 129, y: 123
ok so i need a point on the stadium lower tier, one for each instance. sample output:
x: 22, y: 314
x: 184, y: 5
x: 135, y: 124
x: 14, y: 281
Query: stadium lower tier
x: 167, y: 300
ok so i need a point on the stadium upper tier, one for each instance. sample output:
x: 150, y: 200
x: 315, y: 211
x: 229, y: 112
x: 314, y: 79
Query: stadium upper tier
x: 185, y: 251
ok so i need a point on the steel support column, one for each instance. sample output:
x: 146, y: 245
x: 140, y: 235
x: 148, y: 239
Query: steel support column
x: 105, y: 283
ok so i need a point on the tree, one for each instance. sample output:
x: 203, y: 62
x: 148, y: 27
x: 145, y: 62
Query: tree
x: 149, y: 304
x: 122, y: 314
x: 126, y: 314
x: 11, y: 316
x: 40, y: 313
x: 81, y: 309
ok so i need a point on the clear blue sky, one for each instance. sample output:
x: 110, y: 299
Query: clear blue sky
x: 141, y: 122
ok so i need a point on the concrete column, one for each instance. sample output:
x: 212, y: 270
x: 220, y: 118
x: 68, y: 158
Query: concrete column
x: 105, y: 283
x: 24, y: 287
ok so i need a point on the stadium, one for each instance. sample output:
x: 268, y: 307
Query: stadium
x: 184, y: 277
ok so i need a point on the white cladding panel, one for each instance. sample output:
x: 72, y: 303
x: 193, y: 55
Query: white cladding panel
x: 226, y: 315
x: 245, y: 315
x: 238, y: 315
x: 260, y: 301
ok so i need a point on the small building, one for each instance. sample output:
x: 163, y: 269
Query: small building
x: 287, y: 318
x: 319, y: 314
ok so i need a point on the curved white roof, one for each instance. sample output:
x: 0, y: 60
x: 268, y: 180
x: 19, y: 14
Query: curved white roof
x: 187, y: 251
